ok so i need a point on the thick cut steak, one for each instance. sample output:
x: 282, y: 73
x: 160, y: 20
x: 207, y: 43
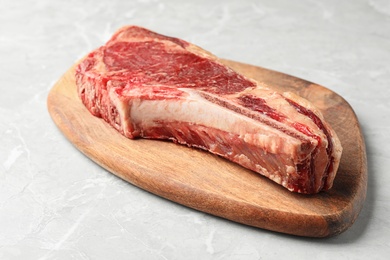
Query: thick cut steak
x: 152, y: 86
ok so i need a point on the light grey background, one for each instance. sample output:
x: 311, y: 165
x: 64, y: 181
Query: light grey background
x: 57, y: 204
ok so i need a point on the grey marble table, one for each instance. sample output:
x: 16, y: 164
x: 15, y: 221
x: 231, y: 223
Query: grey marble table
x: 57, y: 204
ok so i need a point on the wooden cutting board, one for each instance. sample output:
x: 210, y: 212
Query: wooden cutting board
x: 211, y: 184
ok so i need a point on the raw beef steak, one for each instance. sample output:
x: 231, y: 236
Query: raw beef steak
x: 152, y: 86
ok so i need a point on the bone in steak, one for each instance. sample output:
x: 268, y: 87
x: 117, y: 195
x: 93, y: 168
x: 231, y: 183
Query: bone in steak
x: 152, y: 86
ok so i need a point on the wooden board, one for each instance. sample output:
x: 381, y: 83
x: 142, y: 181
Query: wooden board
x: 214, y: 185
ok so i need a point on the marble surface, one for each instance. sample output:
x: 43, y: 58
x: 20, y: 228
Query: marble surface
x: 57, y: 204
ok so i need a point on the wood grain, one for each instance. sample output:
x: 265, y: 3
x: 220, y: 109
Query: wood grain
x: 214, y: 185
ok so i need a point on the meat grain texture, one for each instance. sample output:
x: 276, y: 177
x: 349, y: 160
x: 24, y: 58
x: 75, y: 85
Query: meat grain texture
x: 147, y: 85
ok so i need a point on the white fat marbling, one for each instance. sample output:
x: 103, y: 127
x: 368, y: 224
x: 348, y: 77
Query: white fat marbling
x: 57, y: 204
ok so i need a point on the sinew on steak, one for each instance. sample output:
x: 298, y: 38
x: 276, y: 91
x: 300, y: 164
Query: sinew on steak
x: 147, y: 85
